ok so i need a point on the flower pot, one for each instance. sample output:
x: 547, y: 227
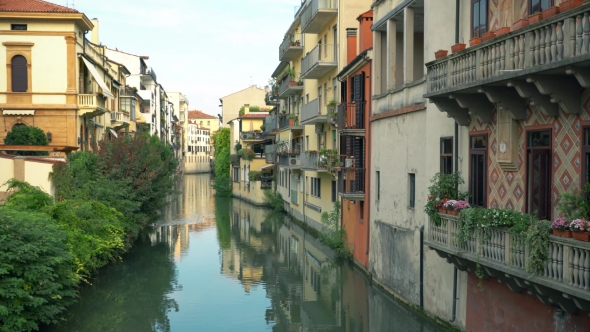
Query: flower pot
x: 520, y: 24
x: 566, y: 233
x: 502, y: 31
x: 453, y: 212
x: 550, y: 12
x: 440, y: 53
x: 457, y: 47
x: 291, y: 122
x: 581, y: 236
x: 488, y: 35
x: 474, y: 41
x: 534, y: 18
x: 566, y: 5
x: 292, y: 83
x: 442, y: 210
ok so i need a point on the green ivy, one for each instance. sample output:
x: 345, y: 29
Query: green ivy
x: 333, y: 235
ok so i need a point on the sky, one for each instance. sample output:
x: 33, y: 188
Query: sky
x: 204, y: 49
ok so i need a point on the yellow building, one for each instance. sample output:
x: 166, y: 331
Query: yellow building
x: 249, y: 172
x: 231, y: 104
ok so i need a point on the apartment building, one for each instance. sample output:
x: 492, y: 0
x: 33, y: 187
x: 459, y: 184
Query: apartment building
x: 232, y: 103
x: 198, y: 156
x: 306, y: 85
x: 208, y: 121
x: 180, y: 126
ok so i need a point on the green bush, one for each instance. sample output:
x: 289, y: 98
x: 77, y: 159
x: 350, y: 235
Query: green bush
x: 222, y: 152
x: 27, y: 135
x: 36, y: 278
x: 254, y: 175
x: 333, y: 235
x: 23, y: 196
x: 274, y: 200
x: 223, y: 186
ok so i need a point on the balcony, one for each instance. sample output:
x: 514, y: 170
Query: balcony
x: 351, y: 119
x: 320, y: 61
x: 318, y: 14
x: 271, y: 125
x: 234, y: 159
x: 271, y: 98
x: 119, y: 118
x: 565, y: 281
x: 313, y: 112
x: 312, y: 161
x: 289, y: 124
x: 270, y: 153
x: 289, y: 87
x: 351, y: 184
x: 91, y: 105
x: 291, y: 48
x: 545, y: 63
x: 94, y: 52
x: 248, y: 136
x: 148, y: 73
x: 291, y: 161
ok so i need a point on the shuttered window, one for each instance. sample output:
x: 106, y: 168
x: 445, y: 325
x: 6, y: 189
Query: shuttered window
x: 20, y: 81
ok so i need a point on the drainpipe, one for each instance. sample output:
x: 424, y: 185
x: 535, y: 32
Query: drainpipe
x: 422, y: 266
x: 456, y: 141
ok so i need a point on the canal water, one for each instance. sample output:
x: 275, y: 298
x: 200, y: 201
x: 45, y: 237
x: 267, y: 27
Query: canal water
x: 221, y: 264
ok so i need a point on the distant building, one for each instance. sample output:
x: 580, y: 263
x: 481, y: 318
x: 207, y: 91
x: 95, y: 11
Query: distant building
x: 230, y: 104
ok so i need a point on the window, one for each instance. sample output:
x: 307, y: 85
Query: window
x: 539, y: 173
x: 446, y: 155
x: 334, y: 139
x: 378, y: 180
x: 236, y: 174
x: 316, y: 187
x: 537, y: 6
x: 208, y: 123
x: 20, y: 79
x: 586, y: 156
x: 333, y: 191
x: 479, y: 17
x: 201, y: 123
x: 412, y: 190
x: 320, y: 96
x: 477, y: 170
x: 18, y: 27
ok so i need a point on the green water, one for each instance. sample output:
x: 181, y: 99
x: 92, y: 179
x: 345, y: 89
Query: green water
x: 221, y: 264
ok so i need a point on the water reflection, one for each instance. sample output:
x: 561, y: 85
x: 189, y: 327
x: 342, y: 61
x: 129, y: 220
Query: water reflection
x: 242, y: 268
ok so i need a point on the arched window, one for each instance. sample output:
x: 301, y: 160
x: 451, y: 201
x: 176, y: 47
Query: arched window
x: 20, y: 78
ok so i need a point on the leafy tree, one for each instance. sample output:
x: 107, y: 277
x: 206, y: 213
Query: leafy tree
x: 23, y: 196
x: 27, y: 135
x: 36, y: 277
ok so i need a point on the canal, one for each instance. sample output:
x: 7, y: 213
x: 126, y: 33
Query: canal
x: 221, y: 264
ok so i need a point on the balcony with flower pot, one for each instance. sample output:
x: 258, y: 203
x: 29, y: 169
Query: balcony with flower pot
x: 291, y: 48
x: 544, y: 62
x: 290, y: 85
x: 290, y: 122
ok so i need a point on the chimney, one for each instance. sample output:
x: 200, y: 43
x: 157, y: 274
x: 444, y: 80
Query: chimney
x: 246, y: 109
x: 365, y: 33
x: 350, y: 44
x: 94, y: 37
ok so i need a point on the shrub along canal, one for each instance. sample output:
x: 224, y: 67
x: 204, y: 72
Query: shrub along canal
x: 221, y: 264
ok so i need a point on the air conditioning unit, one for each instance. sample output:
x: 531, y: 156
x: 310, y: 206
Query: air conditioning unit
x: 244, y: 136
x: 294, y: 161
x: 348, y: 162
x: 319, y: 128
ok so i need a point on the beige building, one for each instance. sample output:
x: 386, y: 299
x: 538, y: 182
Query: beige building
x: 231, y: 104
x: 198, y: 156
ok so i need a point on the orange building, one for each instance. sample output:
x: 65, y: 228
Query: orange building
x: 355, y: 137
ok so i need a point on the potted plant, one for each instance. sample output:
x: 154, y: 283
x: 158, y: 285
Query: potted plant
x: 263, y: 127
x: 550, y: 12
x: 332, y: 105
x: 560, y: 227
x: 300, y: 82
x: 534, y: 18
x: 520, y: 24
x: 566, y: 5
x: 457, y: 47
x: 292, y: 119
x: 488, y: 35
x: 502, y: 31
x: 474, y: 41
x: 579, y: 228
x: 440, y: 53
x: 298, y: 42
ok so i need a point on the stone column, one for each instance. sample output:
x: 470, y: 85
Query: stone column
x: 391, y: 54
x: 377, y: 63
x: 408, y: 45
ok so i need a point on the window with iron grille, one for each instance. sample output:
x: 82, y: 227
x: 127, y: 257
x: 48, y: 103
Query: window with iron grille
x: 446, y: 155
x: 412, y: 179
x: 477, y: 170
x: 20, y: 78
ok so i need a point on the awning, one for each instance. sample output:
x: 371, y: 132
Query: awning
x: 99, y: 80
x: 266, y: 167
x: 113, y: 133
x: 18, y: 112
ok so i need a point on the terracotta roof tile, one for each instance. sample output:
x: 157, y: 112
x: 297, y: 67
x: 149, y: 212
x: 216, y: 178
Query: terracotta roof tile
x: 33, y: 6
x: 200, y: 115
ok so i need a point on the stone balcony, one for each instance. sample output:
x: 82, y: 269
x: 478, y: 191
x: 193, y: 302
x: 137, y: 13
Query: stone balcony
x: 91, y: 105
x: 565, y: 282
x: 545, y: 63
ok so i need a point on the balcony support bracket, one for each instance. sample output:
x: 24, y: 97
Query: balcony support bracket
x: 530, y: 92
x: 453, y: 110
x: 477, y: 104
x: 508, y: 98
x: 566, y: 92
x: 581, y: 74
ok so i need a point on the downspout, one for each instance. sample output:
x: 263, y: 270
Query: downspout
x: 456, y: 141
x: 422, y: 266
x: 369, y: 152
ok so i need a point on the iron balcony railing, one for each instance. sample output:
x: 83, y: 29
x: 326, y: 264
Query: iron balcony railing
x: 290, y: 47
x: 351, y: 115
x: 270, y: 124
x: 352, y: 181
x: 312, y: 9
x: 288, y: 83
x: 312, y: 110
x: 270, y: 152
x: 321, y: 56
x: 149, y: 71
x: 285, y: 122
x: 272, y: 98
x: 247, y: 135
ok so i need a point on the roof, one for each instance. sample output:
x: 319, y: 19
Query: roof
x: 254, y: 115
x: 139, y: 56
x: 200, y: 115
x: 250, y: 87
x: 33, y: 6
